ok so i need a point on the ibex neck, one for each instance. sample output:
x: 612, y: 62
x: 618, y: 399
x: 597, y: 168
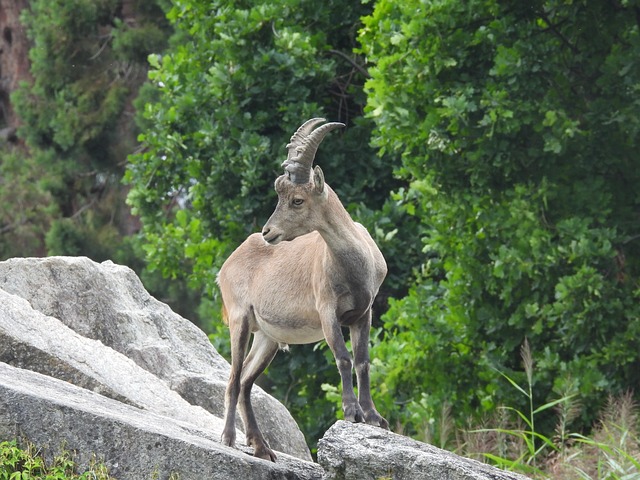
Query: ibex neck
x: 340, y: 232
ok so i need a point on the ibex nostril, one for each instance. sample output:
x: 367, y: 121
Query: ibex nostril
x: 265, y: 231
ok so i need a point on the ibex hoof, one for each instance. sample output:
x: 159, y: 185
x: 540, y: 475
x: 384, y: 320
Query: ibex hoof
x: 265, y: 453
x: 353, y: 413
x: 260, y: 447
x: 228, y: 439
x: 372, y: 417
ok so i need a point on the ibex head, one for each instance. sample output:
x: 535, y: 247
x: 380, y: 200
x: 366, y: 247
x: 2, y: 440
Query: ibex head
x: 301, y: 190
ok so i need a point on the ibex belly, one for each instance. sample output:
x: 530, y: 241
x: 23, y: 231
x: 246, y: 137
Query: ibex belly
x: 290, y: 332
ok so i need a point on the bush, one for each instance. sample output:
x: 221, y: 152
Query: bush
x: 517, y: 127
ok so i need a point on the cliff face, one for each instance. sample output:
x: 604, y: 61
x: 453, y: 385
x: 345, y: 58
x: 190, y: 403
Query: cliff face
x: 14, y: 62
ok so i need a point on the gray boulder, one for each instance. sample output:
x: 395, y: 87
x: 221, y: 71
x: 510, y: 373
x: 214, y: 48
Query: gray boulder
x: 108, y: 303
x: 361, y: 452
x: 135, y: 444
x: 31, y: 340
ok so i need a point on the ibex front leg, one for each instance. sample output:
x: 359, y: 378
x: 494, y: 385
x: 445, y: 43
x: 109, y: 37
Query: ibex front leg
x: 333, y: 334
x: 239, y: 333
x: 360, y: 343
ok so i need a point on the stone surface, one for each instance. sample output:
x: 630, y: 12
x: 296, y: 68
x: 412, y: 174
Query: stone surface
x: 361, y: 452
x: 107, y: 302
x: 135, y: 444
x: 34, y: 341
x: 91, y: 363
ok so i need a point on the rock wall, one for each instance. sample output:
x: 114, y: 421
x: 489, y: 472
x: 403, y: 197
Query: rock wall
x: 90, y: 361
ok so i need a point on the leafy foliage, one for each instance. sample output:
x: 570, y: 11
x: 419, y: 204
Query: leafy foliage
x: 26, y: 208
x: 28, y: 463
x: 513, y: 441
x: 517, y: 125
x: 86, y: 64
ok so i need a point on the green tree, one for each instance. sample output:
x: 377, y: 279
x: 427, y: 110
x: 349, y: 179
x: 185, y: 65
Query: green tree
x: 61, y: 185
x: 517, y: 124
x: 26, y: 206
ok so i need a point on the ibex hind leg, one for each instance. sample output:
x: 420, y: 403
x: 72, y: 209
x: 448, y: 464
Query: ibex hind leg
x: 239, y: 331
x: 260, y: 356
x: 360, y: 344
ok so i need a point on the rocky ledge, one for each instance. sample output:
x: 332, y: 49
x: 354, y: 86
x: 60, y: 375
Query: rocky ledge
x: 91, y: 363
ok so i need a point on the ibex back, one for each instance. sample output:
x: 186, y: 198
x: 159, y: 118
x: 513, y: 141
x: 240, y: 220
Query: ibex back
x: 310, y: 272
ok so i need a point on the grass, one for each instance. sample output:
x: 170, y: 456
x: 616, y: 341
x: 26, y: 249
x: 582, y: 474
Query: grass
x: 28, y: 463
x: 611, y: 452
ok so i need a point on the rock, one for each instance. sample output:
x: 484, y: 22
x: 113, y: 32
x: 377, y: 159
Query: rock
x: 134, y: 443
x: 361, y: 452
x: 91, y: 363
x: 34, y: 341
x: 107, y: 302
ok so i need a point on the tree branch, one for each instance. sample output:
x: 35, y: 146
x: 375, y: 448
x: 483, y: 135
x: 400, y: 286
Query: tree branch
x: 360, y: 68
x: 559, y: 34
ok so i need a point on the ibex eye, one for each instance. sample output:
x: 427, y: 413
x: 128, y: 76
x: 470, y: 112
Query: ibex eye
x: 298, y: 201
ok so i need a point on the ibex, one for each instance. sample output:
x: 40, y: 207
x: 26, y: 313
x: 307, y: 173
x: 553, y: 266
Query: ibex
x: 310, y: 272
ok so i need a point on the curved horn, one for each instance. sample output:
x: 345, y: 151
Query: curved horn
x: 303, y: 147
x: 302, y: 133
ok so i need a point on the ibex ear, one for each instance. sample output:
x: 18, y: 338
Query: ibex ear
x: 318, y: 179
